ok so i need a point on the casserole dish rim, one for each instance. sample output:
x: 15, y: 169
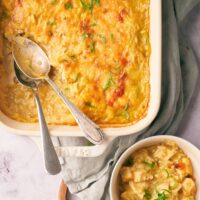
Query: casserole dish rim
x: 154, y: 101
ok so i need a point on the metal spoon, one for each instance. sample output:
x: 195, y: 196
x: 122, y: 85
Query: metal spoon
x: 51, y: 161
x: 34, y: 63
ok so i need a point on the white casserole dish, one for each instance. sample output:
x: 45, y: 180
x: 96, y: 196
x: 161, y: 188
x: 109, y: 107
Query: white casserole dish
x: 190, y: 150
x: 155, y: 92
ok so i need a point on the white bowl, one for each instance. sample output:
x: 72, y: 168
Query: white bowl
x: 190, y: 150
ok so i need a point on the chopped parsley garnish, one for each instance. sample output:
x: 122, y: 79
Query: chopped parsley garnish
x: 109, y: 84
x: 85, y: 35
x: 92, y: 47
x: 97, y: 2
x: 53, y: 2
x: 149, y: 164
x: 103, y: 38
x: 125, y: 112
x: 68, y: 5
x: 161, y: 196
x: 89, y: 104
x: 126, y: 106
x: 51, y: 23
x: 147, y: 194
x: 112, y: 38
x: 91, y: 25
x: 89, y: 6
x: 129, y: 162
x: 3, y: 15
x: 84, y: 4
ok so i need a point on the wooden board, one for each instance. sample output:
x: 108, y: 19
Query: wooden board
x: 62, y: 191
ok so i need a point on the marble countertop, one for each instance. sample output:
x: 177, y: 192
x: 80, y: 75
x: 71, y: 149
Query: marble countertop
x: 22, y: 176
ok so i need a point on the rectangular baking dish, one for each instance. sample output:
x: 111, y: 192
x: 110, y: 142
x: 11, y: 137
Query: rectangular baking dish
x: 155, y: 92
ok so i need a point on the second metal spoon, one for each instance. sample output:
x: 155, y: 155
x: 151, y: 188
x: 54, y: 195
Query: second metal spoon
x: 52, y: 164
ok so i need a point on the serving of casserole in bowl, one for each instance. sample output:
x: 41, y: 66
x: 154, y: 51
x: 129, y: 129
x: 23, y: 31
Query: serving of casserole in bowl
x: 105, y: 57
x: 157, y: 168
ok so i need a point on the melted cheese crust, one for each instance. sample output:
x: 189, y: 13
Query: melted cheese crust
x: 159, y: 172
x: 99, y: 54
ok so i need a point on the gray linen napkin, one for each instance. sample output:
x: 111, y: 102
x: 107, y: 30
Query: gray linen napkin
x: 89, y: 177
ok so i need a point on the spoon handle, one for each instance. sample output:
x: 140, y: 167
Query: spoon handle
x: 92, y: 132
x: 51, y: 160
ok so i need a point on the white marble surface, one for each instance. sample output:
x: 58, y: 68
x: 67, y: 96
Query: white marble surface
x: 22, y: 176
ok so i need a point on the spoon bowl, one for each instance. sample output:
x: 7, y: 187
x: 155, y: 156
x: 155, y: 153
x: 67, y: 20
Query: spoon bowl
x: 30, y: 58
x: 23, y: 79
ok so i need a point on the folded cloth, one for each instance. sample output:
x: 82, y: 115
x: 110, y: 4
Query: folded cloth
x: 89, y: 177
